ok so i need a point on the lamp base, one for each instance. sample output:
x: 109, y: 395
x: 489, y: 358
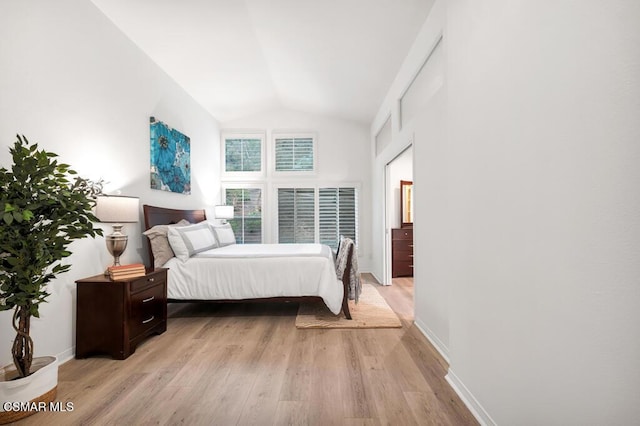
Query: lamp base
x: 116, y: 244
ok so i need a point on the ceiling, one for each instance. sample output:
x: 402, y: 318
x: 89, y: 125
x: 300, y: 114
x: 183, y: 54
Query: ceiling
x: 239, y: 57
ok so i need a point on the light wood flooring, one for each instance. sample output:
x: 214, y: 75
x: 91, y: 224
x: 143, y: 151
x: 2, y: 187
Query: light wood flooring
x: 247, y: 364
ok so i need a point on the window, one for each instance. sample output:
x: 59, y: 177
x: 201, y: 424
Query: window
x: 384, y: 136
x: 426, y: 83
x: 242, y: 155
x: 294, y: 153
x: 247, y: 214
x: 338, y: 215
x: 298, y: 208
x: 308, y: 215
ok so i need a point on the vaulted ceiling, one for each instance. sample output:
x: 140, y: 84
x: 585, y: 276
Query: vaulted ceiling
x: 238, y: 57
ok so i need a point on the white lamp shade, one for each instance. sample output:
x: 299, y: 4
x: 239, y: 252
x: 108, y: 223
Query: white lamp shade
x: 117, y: 209
x: 223, y: 212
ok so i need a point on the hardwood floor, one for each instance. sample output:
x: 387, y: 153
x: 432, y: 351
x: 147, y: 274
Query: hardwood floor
x: 247, y: 364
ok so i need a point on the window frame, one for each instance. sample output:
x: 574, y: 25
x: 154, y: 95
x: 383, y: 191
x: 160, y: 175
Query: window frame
x: 242, y: 175
x: 244, y: 185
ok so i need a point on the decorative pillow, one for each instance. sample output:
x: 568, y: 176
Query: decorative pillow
x: 189, y: 240
x: 224, y: 234
x: 160, y: 247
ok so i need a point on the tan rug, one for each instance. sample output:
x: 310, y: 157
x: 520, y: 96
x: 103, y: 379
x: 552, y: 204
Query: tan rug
x: 371, y: 311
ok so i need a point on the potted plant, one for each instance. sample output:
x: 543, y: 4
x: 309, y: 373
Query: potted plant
x: 44, y: 206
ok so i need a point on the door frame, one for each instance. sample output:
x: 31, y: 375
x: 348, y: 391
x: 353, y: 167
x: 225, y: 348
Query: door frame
x: 388, y: 206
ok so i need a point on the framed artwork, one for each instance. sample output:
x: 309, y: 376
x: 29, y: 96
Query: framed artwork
x: 170, y: 159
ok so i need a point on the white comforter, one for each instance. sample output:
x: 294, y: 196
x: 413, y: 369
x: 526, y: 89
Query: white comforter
x: 250, y: 271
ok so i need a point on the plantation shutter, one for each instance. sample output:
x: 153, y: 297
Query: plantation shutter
x: 338, y: 215
x: 243, y: 155
x: 294, y: 154
x: 296, y: 215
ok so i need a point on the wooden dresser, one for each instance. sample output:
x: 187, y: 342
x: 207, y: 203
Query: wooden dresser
x: 114, y: 316
x: 402, y: 252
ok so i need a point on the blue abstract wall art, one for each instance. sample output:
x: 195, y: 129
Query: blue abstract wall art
x: 170, y: 159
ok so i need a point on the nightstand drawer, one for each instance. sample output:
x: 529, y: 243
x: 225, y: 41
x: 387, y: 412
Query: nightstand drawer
x: 147, y: 308
x: 145, y: 282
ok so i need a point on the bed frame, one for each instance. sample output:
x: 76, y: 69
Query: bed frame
x: 163, y: 216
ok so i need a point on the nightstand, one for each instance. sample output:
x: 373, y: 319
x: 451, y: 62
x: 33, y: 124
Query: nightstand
x: 113, y: 317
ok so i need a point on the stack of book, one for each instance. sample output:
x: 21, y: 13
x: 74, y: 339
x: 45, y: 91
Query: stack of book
x: 126, y: 272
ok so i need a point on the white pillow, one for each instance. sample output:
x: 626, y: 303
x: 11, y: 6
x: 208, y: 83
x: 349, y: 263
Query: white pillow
x: 159, y: 241
x: 224, y: 234
x: 189, y: 240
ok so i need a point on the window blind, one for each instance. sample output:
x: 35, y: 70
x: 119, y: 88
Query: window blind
x: 294, y: 154
x: 296, y: 215
x: 338, y: 215
x: 336, y: 210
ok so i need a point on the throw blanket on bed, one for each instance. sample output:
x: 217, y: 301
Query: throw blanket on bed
x: 341, y: 263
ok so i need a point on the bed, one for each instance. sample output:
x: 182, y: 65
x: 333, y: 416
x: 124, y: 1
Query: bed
x: 245, y: 272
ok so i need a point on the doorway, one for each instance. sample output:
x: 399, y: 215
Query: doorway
x: 396, y: 171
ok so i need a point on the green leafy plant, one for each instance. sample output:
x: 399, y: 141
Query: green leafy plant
x: 44, y: 206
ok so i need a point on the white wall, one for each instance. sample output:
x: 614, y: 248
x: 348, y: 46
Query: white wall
x: 343, y: 153
x: 72, y: 82
x: 537, y: 204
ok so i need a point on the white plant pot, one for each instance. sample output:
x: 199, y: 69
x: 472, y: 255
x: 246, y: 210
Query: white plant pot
x: 40, y: 386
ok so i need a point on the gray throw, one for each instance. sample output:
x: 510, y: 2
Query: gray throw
x: 355, y: 286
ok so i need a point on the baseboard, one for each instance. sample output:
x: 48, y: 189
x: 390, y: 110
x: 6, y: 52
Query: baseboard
x: 65, y: 356
x: 435, y: 341
x: 378, y: 279
x: 459, y: 388
x: 469, y: 400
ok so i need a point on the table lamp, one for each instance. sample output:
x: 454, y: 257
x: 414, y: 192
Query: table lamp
x: 117, y: 209
x: 223, y: 213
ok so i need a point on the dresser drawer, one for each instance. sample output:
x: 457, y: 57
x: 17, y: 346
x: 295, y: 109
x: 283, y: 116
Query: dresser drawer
x: 402, y: 234
x: 403, y: 245
x: 399, y: 256
x: 403, y: 268
x: 147, y: 309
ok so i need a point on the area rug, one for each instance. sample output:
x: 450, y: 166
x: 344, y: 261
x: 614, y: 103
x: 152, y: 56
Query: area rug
x: 371, y: 311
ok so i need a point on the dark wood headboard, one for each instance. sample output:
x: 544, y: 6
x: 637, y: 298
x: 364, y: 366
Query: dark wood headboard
x: 162, y: 216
